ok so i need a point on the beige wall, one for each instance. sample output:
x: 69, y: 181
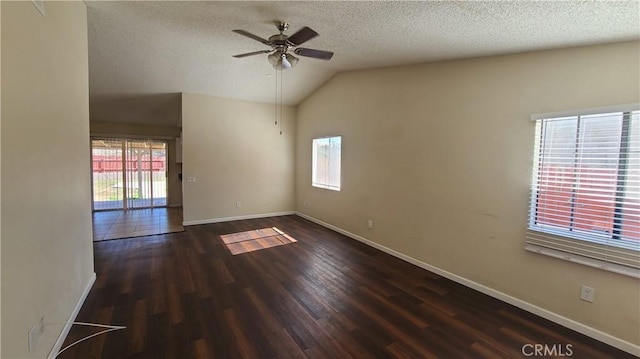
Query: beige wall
x: 439, y: 156
x: 235, y: 152
x: 47, y: 257
x: 0, y: 184
x: 167, y: 133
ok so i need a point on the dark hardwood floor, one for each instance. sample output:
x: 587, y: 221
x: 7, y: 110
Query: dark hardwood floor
x: 184, y: 295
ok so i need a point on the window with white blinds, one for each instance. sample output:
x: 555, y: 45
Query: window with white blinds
x: 585, y: 193
x: 326, y: 162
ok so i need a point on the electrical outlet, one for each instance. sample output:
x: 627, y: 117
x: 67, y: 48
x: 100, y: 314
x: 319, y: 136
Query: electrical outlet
x: 238, y: 204
x: 370, y: 224
x: 587, y: 294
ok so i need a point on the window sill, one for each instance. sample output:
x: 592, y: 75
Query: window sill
x: 574, y: 258
x: 326, y: 187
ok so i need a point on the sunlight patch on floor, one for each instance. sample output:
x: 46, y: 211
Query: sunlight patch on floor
x: 254, y: 240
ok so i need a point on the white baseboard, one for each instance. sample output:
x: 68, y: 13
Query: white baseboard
x: 72, y: 317
x: 554, y: 317
x: 238, y: 218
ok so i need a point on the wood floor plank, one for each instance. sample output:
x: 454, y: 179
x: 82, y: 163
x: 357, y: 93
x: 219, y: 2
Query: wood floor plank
x: 138, y: 328
x: 243, y: 345
x: 186, y: 295
x: 220, y: 270
x: 389, y: 306
x: 335, y: 330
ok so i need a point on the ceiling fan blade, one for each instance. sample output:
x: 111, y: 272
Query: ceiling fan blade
x: 252, y: 53
x: 316, y: 54
x: 303, y: 35
x: 252, y: 36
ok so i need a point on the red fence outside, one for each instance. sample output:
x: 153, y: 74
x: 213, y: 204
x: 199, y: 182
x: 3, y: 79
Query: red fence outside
x: 114, y: 164
x: 594, y: 207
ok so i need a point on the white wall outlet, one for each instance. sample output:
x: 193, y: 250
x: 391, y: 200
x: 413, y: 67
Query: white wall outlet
x: 587, y: 294
x: 370, y: 224
x: 238, y: 204
x: 191, y: 179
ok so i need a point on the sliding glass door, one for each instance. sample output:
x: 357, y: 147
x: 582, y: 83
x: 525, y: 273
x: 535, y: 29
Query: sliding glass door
x: 128, y: 173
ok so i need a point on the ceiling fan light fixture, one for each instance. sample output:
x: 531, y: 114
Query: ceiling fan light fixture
x: 282, y: 61
x: 273, y: 59
x: 292, y: 60
x: 285, y: 64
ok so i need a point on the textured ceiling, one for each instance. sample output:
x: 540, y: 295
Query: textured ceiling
x: 143, y: 54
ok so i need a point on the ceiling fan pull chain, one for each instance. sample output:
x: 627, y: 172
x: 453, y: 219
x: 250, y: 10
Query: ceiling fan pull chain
x: 276, y: 100
x: 281, y: 103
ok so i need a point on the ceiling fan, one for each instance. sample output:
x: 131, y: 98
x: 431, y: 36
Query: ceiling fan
x: 280, y: 44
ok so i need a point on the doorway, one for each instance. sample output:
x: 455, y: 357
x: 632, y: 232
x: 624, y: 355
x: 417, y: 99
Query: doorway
x: 128, y: 173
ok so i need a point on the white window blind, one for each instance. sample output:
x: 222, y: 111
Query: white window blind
x: 585, y: 193
x: 326, y: 162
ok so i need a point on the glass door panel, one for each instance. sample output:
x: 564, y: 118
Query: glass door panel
x: 159, y: 173
x: 106, y: 169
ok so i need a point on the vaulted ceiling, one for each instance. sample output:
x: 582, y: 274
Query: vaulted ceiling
x: 143, y: 54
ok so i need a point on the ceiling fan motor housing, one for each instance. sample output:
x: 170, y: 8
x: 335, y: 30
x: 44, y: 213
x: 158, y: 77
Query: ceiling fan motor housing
x: 279, y: 41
